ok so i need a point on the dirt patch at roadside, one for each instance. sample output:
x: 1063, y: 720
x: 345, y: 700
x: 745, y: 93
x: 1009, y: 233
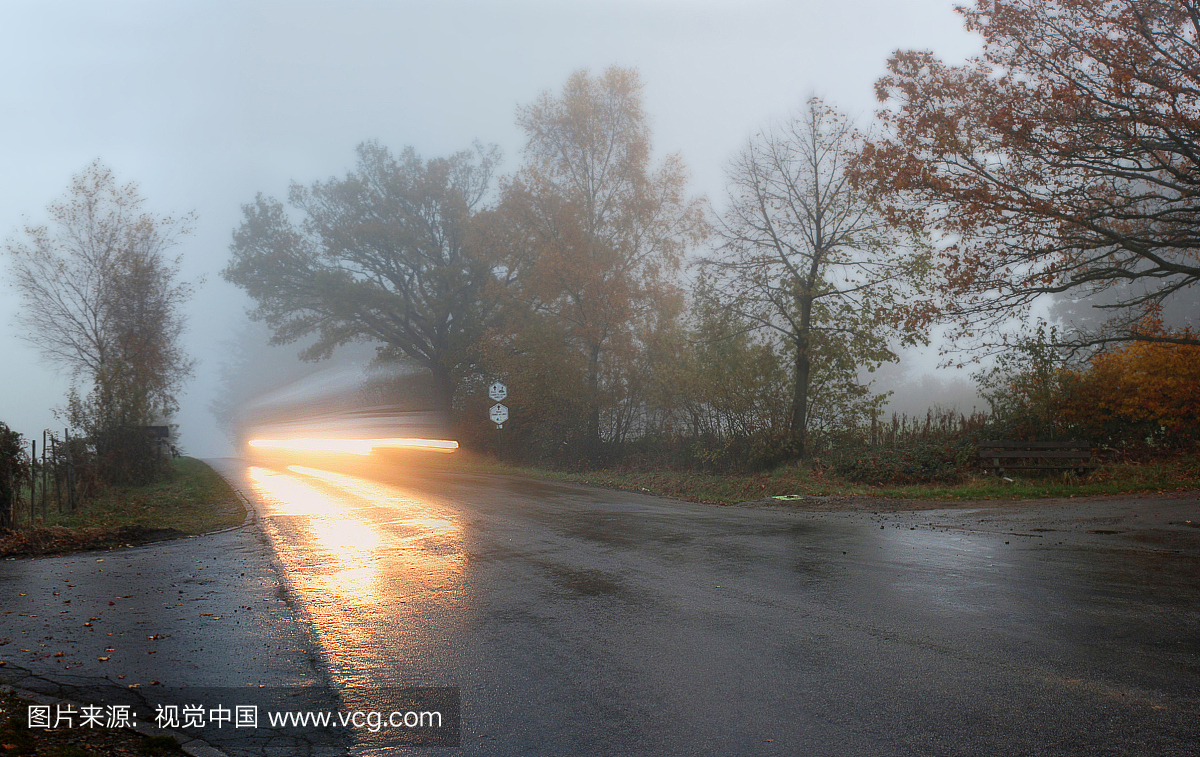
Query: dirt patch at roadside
x: 57, y: 540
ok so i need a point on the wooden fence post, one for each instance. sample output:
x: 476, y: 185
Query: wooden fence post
x: 54, y: 476
x: 32, y: 481
x: 45, y: 480
x: 70, y: 472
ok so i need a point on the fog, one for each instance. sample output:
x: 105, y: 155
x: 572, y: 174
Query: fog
x: 203, y: 105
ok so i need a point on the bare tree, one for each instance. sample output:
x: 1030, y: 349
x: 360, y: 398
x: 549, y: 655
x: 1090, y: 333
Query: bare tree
x: 101, y: 298
x: 808, y: 256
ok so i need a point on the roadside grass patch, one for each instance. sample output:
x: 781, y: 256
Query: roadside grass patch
x: 818, y: 479
x: 194, y: 499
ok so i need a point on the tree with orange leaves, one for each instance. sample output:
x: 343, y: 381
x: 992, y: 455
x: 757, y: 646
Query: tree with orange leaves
x: 1138, y: 391
x: 593, y: 233
x: 1065, y: 158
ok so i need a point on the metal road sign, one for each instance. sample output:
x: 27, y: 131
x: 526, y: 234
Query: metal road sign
x: 498, y: 414
x: 497, y: 391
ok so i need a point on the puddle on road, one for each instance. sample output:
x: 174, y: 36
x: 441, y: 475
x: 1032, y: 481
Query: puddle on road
x: 587, y: 582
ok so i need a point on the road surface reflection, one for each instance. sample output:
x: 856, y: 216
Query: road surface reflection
x: 367, y: 560
x: 586, y: 621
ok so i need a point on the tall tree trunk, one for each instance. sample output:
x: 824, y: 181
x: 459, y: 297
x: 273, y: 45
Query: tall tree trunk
x: 443, y: 387
x: 592, y: 441
x: 803, y: 374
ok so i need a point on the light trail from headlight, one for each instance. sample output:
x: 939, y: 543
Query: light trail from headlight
x: 355, y: 446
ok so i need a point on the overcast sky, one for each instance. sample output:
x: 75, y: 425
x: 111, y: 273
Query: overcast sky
x: 204, y: 104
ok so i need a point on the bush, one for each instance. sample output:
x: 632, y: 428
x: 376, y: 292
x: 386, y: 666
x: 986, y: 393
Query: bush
x: 13, y: 470
x: 1136, y: 396
x: 114, y: 420
x: 939, y: 447
x: 742, y: 454
x: 1140, y: 394
x: 1026, y: 390
x: 910, y: 462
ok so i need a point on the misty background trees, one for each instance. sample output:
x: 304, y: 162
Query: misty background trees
x: 388, y: 254
x: 101, y: 298
x: 595, y: 241
x: 571, y: 286
x: 631, y: 320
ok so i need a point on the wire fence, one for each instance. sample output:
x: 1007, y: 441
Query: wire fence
x: 52, y: 481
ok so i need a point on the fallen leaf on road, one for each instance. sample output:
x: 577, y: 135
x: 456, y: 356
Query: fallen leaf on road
x: 102, y: 659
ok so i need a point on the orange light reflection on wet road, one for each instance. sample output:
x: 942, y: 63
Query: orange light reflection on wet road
x: 352, y: 568
x: 416, y: 518
x: 368, y: 558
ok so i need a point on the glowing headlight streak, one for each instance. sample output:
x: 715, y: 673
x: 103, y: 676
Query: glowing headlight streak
x: 432, y: 445
x: 354, y: 446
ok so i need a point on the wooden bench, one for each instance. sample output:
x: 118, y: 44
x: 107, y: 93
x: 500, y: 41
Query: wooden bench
x: 1037, y: 455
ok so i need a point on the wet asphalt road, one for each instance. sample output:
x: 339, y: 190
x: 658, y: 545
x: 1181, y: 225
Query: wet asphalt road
x: 189, y: 621
x: 583, y: 621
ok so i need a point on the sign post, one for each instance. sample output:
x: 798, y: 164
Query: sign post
x: 498, y: 413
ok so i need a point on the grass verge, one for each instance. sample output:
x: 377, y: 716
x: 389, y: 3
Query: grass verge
x: 807, y: 480
x: 194, y: 499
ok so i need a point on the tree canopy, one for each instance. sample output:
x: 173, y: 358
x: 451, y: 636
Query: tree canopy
x: 386, y: 254
x: 593, y: 236
x: 1066, y: 157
